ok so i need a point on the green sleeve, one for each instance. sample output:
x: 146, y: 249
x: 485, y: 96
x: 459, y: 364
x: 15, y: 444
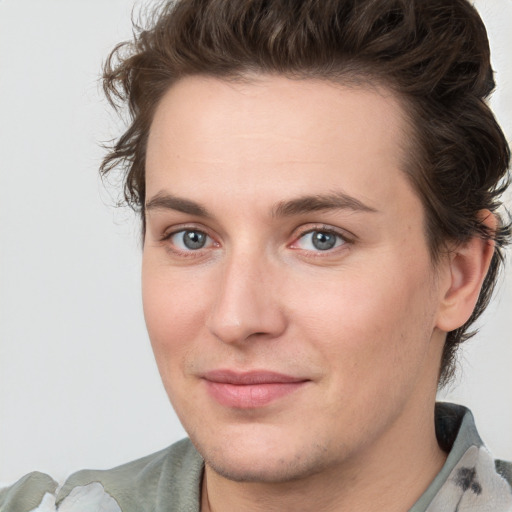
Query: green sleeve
x: 27, y: 493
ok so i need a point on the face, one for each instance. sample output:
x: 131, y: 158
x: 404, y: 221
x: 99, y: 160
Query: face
x: 287, y: 285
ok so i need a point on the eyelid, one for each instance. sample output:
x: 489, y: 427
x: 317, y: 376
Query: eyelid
x: 329, y: 228
x: 172, y: 230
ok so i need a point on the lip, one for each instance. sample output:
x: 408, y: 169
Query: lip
x: 249, y: 390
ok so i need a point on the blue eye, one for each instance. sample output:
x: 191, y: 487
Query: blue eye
x: 320, y: 241
x: 190, y: 240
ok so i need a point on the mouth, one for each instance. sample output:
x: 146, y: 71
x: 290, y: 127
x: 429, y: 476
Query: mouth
x: 250, y: 390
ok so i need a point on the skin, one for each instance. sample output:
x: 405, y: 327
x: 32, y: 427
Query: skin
x: 362, y: 324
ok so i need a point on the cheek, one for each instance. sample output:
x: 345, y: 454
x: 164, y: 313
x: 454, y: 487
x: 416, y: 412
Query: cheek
x: 174, y: 310
x: 371, y: 330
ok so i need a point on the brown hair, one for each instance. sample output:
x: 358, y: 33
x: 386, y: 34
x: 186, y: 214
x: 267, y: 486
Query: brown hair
x: 433, y: 53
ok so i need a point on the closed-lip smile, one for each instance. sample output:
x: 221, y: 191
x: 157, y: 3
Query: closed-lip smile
x: 250, y: 389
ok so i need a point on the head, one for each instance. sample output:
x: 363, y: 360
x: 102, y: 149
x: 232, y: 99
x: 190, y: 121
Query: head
x: 428, y: 62
x: 433, y: 55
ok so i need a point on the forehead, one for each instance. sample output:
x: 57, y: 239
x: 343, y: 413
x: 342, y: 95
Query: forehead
x: 277, y: 136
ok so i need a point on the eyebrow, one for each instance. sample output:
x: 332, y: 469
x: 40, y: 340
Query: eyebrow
x: 314, y: 203
x: 163, y: 201
x: 298, y: 206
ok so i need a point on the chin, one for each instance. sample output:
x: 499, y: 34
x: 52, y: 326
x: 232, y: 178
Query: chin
x: 271, y: 470
x: 264, y: 459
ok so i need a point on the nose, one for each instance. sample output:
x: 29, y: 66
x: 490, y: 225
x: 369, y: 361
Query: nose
x: 246, y: 304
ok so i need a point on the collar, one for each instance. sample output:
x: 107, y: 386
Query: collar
x: 468, y: 481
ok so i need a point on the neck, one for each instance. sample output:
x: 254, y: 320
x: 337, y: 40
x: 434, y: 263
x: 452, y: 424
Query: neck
x: 387, y: 476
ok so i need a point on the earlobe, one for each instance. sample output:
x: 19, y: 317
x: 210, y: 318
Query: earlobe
x: 468, y: 265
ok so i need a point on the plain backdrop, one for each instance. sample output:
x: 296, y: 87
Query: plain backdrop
x: 78, y: 384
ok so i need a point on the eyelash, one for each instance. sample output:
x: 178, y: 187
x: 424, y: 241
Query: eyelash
x: 191, y: 253
x: 171, y: 248
x: 345, y: 240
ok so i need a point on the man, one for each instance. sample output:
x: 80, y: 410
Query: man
x: 318, y: 185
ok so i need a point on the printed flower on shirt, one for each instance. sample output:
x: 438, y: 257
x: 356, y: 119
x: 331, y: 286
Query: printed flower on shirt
x: 473, y: 486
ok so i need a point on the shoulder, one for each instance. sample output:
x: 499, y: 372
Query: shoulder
x: 27, y: 493
x: 170, y: 477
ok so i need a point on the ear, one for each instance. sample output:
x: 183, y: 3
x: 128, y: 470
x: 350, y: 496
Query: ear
x: 467, y: 267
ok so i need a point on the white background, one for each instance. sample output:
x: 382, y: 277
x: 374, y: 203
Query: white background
x: 78, y: 384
